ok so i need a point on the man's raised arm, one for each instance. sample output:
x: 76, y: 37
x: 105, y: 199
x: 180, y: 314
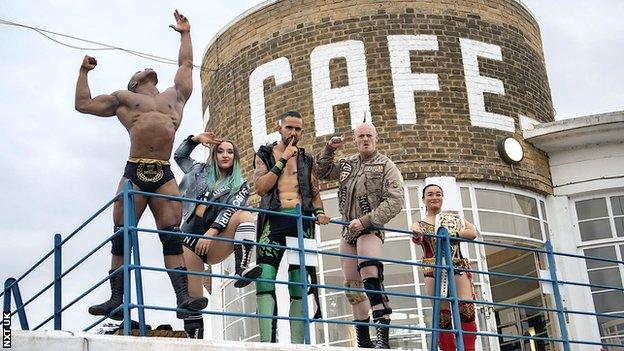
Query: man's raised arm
x: 102, y: 105
x: 184, y: 79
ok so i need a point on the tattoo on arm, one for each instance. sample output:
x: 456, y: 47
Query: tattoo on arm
x: 260, y: 169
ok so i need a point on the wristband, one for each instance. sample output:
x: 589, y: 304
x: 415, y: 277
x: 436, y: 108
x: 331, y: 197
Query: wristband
x: 279, y: 166
x: 318, y: 211
x: 276, y: 170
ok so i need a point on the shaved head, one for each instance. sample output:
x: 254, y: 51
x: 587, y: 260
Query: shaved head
x: 365, y: 127
x: 365, y: 137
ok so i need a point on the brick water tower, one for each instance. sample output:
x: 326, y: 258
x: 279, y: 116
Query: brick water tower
x: 444, y: 82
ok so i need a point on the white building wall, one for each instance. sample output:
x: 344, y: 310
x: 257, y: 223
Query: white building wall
x: 586, y: 156
x: 588, y: 168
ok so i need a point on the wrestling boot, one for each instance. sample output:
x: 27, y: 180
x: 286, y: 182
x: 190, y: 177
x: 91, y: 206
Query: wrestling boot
x: 383, y: 333
x: 179, y: 281
x: 194, y: 326
x: 242, y: 254
x: 116, y: 299
x: 469, y: 339
x: 362, y: 334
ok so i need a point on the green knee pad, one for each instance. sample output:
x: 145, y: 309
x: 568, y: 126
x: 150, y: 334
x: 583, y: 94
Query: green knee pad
x: 295, y: 290
x: 268, y: 272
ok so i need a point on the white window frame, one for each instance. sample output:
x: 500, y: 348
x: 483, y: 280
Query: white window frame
x: 602, y: 195
x: 615, y: 241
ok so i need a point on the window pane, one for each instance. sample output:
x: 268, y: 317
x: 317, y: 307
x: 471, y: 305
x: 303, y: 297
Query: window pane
x: 234, y: 332
x: 593, y: 230
x: 617, y: 204
x: 330, y: 232
x: 610, y: 301
x: 472, y: 250
x: 331, y: 207
x: 468, y: 216
x: 400, y: 302
x: 398, y: 222
x: 609, y: 277
x: 415, y: 216
x: 602, y: 252
x: 465, y: 197
x: 242, y: 329
x: 235, y: 306
x: 397, y: 249
x: 320, y: 334
x: 336, y: 279
x: 395, y: 274
x: 611, y: 326
x: 341, y: 331
x: 414, y: 196
x: 619, y: 226
x: 502, y: 201
x: 249, y: 303
x: 330, y: 261
x: 544, y: 216
x: 510, y: 224
x: 337, y: 305
x: 593, y: 208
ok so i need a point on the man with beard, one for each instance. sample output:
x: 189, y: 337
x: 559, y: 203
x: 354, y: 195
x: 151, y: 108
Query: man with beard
x: 284, y: 176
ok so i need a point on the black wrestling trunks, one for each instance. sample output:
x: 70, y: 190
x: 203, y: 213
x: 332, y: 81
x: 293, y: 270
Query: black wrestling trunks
x: 148, y: 174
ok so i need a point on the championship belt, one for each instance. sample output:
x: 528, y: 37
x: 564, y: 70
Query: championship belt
x: 453, y: 222
x: 150, y: 172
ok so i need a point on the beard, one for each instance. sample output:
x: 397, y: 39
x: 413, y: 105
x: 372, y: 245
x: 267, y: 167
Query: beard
x: 287, y: 141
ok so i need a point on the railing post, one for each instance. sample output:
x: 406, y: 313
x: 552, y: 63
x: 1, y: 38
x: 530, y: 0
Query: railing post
x: 126, y: 256
x: 437, y: 290
x: 58, y: 303
x: 10, y: 286
x: 7, y: 294
x: 459, y: 340
x: 137, y: 267
x: 303, y: 275
x: 557, y: 295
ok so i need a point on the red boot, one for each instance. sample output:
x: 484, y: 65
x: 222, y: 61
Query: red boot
x: 469, y: 339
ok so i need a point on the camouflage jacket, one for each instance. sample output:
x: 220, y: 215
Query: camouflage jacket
x: 370, y: 189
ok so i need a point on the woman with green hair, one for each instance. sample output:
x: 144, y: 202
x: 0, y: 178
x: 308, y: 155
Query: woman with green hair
x: 218, y: 180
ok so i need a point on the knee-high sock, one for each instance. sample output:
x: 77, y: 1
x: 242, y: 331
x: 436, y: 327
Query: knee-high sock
x: 243, y: 251
x: 296, y: 307
x: 267, y: 304
x: 446, y: 339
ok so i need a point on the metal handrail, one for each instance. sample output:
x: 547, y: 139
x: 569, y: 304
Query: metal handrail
x: 132, y: 264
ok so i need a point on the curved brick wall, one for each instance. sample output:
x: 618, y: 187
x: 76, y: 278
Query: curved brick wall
x: 443, y: 82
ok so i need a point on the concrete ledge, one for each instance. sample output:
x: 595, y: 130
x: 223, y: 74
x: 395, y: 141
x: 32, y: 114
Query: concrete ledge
x: 81, y: 341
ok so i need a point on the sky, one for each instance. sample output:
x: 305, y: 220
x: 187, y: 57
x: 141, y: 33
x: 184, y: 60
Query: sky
x: 59, y: 166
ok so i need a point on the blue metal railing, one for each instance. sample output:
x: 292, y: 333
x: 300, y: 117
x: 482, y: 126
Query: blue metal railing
x: 132, y: 263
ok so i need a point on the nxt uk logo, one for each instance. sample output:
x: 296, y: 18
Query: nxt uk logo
x: 6, y: 329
